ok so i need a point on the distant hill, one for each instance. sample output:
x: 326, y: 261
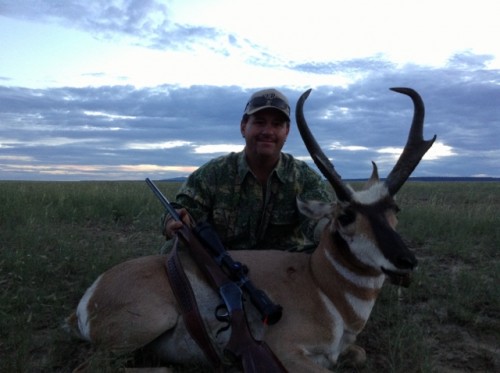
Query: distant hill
x: 176, y: 179
x: 430, y: 178
x: 438, y: 178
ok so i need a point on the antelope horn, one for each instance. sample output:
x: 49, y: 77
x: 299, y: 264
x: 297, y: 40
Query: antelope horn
x: 415, y: 147
x: 324, y: 165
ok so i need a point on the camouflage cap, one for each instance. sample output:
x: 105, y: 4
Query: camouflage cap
x: 268, y: 98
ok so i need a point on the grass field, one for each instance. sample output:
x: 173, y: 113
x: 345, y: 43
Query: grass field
x: 55, y: 238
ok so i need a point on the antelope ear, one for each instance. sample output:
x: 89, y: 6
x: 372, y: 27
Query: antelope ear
x: 315, y: 209
x: 373, y: 178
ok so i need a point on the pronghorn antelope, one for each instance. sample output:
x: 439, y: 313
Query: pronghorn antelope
x: 327, y: 296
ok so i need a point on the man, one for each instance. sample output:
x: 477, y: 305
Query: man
x: 250, y: 197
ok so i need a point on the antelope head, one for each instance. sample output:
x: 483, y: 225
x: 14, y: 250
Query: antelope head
x: 364, y: 222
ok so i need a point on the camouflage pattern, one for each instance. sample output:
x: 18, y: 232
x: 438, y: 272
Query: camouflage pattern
x: 225, y: 193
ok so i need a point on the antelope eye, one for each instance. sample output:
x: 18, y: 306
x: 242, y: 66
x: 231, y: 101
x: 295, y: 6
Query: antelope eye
x: 347, y: 217
x: 395, y: 208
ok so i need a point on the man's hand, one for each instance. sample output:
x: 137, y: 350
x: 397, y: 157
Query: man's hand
x: 172, y: 226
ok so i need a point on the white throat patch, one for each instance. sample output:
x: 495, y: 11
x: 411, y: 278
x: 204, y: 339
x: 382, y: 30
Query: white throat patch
x: 371, y: 195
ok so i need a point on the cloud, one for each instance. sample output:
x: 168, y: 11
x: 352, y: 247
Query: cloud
x: 163, y: 88
x: 143, y: 22
x: 156, y: 145
x: 353, y: 148
x: 437, y: 151
x: 218, y: 148
x: 167, y: 131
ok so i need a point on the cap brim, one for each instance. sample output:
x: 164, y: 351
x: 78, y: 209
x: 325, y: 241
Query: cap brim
x: 253, y: 111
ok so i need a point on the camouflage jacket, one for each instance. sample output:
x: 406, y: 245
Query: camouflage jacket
x: 225, y: 193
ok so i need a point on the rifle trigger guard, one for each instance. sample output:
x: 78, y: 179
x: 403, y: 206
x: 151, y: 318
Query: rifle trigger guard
x: 222, y: 315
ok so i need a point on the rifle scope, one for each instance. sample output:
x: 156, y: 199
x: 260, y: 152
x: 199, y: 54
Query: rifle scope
x: 270, y: 312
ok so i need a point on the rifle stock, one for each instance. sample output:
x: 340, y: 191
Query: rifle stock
x: 254, y: 356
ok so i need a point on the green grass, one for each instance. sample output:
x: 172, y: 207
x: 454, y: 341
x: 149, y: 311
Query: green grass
x: 55, y: 238
x: 449, y: 317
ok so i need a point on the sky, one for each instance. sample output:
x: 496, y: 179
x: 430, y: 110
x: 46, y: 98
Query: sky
x: 129, y: 89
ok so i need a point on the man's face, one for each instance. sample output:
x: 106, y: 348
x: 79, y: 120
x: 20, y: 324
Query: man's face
x: 265, y: 133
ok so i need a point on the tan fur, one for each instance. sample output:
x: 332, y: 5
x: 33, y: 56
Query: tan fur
x: 121, y: 289
x: 326, y: 298
x: 326, y: 275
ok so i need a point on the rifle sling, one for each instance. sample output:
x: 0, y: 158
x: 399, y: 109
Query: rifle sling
x: 190, y: 312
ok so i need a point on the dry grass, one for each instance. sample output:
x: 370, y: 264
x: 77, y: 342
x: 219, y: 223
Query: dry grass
x: 55, y: 238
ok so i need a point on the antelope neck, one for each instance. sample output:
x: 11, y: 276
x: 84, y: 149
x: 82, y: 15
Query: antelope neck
x: 347, y: 294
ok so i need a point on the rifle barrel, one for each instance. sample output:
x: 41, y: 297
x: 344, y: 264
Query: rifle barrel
x: 164, y: 201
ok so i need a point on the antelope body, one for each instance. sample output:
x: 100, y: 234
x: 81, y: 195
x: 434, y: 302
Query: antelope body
x: 327, y: 296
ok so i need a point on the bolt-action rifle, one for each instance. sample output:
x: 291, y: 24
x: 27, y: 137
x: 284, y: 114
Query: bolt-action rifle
x: 229, y: 278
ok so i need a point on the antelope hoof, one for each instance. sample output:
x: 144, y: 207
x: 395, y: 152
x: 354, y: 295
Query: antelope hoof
x: 354, y: 356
